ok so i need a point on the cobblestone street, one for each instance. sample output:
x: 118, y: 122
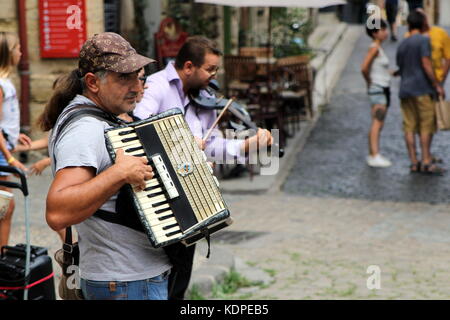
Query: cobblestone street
x: 320, y: 248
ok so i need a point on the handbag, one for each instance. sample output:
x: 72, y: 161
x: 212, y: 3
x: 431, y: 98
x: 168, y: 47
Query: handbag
x: 443, y: 114
x: 69, y: 256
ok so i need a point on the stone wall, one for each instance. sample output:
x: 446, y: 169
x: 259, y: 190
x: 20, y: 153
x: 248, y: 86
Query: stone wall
x: 444, y: 13
x: 430, y: 9
x: 43, y: 72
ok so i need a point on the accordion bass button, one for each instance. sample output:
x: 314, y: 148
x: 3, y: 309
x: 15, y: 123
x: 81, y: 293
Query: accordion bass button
x: 165, y: 177
x: 172, y: 192
x: 216, y: 181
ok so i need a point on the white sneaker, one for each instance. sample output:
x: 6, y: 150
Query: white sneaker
x: 378, y: 161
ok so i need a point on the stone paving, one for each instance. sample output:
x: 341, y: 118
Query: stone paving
x: 321, y: 248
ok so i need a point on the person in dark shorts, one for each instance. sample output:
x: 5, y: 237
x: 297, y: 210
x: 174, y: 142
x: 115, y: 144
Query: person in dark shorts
x: 391, y: 7
x: 414, y: 4
x: 418, y: 86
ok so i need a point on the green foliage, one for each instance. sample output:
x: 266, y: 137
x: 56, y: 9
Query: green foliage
x: 142, y: 37
x: 193, y: 18
x: 295, y: 256
x: 271, y: 272
x: 194, y: 294
x: 230, y: 284
x: 290, y: 30
x: 178, y: 10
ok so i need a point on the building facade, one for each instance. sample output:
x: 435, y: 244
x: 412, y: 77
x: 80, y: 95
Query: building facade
x: 41, y: 72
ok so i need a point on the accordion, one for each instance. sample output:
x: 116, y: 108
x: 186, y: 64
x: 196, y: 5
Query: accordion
x: 182, y: 202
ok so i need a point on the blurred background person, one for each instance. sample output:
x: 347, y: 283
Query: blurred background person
x: 440, y: 48
x: 391, y: 7
x: 414, y: 4
x: 418, y: 86
x: 10, y: 135
x: 375, y: 69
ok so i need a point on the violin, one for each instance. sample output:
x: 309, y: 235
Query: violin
x: 213, y: 102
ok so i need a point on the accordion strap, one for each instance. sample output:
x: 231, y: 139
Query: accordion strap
x: 83, y: 111
x: 71, y: 254
x: 205, y: 232
x: 107, y: 216
x: 75, y: 114
x: 127, y: 219
x: 67, y: 245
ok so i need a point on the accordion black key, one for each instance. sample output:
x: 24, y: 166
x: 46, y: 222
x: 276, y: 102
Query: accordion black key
x: 182, y: 202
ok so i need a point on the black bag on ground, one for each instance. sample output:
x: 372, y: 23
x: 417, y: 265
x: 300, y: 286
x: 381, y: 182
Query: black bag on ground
x: 40, y: 282
x: 26, y: 271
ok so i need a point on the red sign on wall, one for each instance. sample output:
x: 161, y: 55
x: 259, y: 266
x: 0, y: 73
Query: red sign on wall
x: 62, y: 27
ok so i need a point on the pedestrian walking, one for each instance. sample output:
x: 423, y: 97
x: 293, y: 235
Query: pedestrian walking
x: 440, y: 54
x: 116, y: 260
x: 10, y: 135
x: 195, y: 66
x: 440, y: 48
x: 375, y: 69
x: 418, y: 87
x: 391, y: 7
x: 414, y: 4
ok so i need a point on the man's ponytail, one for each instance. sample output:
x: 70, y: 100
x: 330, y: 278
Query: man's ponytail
x: 65, y: 89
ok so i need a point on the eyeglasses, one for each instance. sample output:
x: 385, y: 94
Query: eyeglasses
x: 143, y: 79
x: 213, y: 71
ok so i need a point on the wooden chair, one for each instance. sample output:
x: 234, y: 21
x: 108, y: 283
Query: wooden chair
x: 295, y: 92
x: 241, y: 82
x: 240, y: 74
x: 263, y: 97
x: 287, y: 61
x: 256, y: 52
x: 262, y: 54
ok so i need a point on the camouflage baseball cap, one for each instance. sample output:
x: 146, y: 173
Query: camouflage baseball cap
x: 110, y: 51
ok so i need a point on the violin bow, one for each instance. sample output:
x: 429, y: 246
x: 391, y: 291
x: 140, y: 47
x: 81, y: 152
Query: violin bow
x: 208, y: 134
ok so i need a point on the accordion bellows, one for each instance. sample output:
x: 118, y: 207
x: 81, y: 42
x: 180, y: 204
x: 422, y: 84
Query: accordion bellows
x: 182, y: 202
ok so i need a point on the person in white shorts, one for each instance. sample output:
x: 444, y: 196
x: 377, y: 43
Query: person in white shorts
x: 375, y: 69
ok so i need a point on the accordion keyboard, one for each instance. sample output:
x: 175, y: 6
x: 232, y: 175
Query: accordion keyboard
x: 184, y: 192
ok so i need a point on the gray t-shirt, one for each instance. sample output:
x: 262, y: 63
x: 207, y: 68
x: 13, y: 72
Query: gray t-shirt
x: 108, y: 251
x: 414, y: 81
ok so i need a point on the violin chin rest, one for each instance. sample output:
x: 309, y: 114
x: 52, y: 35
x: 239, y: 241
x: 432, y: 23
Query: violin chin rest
x: 214, y: 84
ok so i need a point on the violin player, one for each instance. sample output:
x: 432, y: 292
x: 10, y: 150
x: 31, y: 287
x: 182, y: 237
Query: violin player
x: 195, y: 66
